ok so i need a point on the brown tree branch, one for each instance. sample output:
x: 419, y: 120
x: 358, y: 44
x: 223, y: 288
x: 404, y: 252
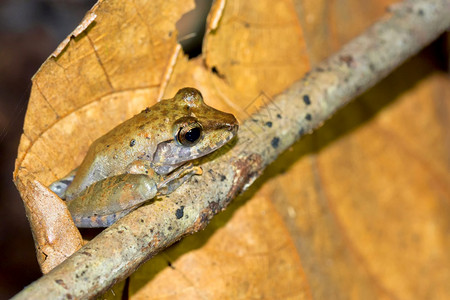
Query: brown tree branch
x: 123, y: 247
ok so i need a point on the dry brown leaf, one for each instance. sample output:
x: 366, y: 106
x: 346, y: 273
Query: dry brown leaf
x: 360, y: 214
x: 257, y: 47
x: 327, y: 26
x: 88, y: 89
x: 54, y: 232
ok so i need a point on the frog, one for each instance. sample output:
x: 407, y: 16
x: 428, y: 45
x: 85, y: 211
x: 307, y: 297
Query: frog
x: 149, y: 155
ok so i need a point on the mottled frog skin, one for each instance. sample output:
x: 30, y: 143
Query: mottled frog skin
x: 145, y: 156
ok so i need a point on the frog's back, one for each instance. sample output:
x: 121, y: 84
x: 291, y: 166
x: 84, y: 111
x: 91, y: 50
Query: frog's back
x: 134, y: 139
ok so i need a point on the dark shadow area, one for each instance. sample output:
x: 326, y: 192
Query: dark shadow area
x: 191, y: 28
x: 29, y: 32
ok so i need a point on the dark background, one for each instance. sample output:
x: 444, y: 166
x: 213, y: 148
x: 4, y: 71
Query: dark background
x: 29, y: 32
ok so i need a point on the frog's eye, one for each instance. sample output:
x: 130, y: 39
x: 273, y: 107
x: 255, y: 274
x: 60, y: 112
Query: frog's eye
x: 190, y: 134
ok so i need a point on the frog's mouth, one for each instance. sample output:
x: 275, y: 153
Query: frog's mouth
x: 170, y: 155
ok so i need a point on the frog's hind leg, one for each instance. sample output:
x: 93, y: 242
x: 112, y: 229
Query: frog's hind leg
x: 107, y: 200
x: 60, y: 186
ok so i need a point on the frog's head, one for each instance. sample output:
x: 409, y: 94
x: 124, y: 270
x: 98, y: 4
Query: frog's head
x: 197, y: 131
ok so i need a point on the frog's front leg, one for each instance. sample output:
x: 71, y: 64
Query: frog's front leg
x: 106, y: 201
x: 177, y: 178
x: 170, y: 182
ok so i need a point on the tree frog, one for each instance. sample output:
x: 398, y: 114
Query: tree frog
x: 147, y: 155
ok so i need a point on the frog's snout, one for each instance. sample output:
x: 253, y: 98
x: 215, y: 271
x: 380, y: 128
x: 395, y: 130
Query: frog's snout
x: 230, y: 123
x: 231, y: 130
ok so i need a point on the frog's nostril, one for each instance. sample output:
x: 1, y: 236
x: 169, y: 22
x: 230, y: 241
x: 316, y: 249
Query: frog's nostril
x: 233, y: 127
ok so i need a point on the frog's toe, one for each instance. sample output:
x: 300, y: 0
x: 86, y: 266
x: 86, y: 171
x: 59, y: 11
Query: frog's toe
x: 197, y: 170
x: 60, y: 188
